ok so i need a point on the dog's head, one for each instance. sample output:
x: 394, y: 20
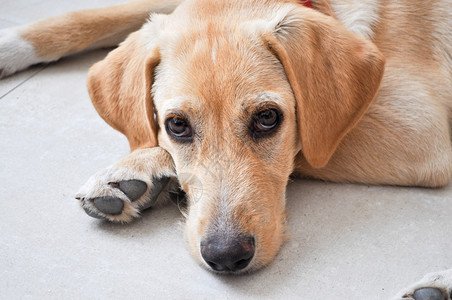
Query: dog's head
x: 233, y: 90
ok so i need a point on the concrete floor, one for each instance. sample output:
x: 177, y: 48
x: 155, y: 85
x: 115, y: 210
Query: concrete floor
x: 347, y: 241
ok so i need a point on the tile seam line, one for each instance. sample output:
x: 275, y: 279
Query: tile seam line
x: 21, y: 83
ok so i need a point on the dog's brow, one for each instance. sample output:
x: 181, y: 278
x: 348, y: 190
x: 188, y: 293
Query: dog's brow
x: 172, y: 104
x: 268, y: 96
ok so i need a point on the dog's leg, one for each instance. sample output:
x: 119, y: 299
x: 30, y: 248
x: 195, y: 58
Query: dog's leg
x: 118, y: 193
x: 434, y: 286
x: 50, y: 39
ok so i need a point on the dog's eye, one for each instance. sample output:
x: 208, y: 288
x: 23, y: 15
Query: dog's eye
x: 179, y: 129
x: 265, y: 121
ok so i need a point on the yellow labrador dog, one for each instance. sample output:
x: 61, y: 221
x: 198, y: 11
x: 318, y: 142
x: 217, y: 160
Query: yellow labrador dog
x: 227, y: 99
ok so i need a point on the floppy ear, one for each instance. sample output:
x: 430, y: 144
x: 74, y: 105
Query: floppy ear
x: 334, y: 74
x: 120, y: 89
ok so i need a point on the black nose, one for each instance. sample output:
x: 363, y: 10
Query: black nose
x: 225, y: 254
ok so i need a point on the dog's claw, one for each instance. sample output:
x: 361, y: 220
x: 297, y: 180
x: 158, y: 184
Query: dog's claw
x: 429, y: 293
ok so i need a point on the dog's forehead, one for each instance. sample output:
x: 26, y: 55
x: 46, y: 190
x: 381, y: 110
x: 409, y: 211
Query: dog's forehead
x: 221, y: 72
x: 209, y: 63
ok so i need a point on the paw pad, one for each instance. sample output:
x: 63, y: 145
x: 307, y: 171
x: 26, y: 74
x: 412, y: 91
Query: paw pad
x: 109, y: 205
x: 158, y: 185
x: 428, y: 293
x: 133, y: 189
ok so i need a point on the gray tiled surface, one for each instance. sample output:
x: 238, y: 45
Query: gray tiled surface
x: 347, y: 241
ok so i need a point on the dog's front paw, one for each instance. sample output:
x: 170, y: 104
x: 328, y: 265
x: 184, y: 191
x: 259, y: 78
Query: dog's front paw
x: 434, y: 286
x: 140, y: 180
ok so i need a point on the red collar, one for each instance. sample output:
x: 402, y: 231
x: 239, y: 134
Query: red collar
x: 306, y: 3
